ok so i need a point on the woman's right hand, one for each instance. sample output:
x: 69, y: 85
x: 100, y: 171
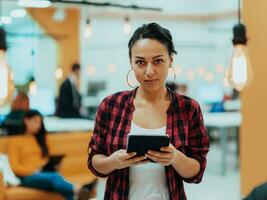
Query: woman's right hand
x: 121, y: 159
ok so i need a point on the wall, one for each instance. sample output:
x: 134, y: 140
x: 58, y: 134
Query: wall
x: 65, y: 32
x: 253, y: 137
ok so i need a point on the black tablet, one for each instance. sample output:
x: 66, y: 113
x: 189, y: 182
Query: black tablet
x: 142, y: 143
x: 53, y: 163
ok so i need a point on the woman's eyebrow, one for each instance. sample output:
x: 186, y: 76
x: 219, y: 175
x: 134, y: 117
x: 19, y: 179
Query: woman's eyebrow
x: 139, y: 57
x: 157, y: 56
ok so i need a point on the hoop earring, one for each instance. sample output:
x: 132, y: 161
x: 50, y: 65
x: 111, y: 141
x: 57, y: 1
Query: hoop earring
x: 174, y: 75
x: 127, y: 80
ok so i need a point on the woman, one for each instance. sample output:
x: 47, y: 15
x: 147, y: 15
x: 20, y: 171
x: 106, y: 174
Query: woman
x: 29, y: 153
x: 151, y: 108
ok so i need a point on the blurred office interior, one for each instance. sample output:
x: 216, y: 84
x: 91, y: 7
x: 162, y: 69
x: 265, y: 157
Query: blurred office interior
x: 43, y: 43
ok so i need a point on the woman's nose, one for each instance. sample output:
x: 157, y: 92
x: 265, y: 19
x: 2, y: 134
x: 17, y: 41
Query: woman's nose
x: 149, y: 70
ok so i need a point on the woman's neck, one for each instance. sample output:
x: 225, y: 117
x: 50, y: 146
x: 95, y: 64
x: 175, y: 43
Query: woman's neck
x: 152, y: 97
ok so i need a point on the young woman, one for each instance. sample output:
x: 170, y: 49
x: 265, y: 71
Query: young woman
x: 29, y: 153
x: 150, y: 108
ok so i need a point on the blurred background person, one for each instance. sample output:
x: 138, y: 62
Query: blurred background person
x: 69, y: 99
x: 29, y: 153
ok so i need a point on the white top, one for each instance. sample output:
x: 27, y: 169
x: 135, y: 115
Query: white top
x: 148, y: 181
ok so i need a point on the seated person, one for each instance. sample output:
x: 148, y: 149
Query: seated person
x: 29, y: 154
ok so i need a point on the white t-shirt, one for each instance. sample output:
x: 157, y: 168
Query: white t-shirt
x: 148, y: 181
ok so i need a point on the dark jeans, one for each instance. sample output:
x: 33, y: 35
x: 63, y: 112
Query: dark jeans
x: 51, y: 181
x: 258, y: 193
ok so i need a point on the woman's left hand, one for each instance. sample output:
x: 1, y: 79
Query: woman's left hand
x: 166, y: 156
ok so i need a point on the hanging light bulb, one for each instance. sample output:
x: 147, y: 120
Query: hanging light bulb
x: 127, y: 29
x: 6, y: 85
x: 88, y: 31
x: 3, y: 76
x: 33, y: 87
x: 239, y: 72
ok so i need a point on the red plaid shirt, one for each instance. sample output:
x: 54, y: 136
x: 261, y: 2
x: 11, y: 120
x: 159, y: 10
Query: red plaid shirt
x: 184, y: 126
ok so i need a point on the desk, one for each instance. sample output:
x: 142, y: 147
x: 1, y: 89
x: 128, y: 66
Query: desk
x: 56, y: 124
x: 223, y: 121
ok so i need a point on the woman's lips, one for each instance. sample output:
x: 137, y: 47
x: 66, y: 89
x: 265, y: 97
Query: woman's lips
x: 151, y: 82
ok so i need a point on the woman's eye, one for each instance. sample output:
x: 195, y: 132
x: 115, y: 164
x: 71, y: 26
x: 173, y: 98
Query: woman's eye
x: 139, y: 62
x: 158, y: 61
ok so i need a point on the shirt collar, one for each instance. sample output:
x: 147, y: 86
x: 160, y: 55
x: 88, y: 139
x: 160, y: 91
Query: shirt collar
x: 173, y: 104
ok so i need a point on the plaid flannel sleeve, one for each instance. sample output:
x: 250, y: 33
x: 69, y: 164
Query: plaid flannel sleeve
x: 198, y: 141
x: 97, y: 145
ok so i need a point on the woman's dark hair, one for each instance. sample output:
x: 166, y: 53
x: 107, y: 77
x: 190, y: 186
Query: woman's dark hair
x: 152, y: 31
x: 40, y: 136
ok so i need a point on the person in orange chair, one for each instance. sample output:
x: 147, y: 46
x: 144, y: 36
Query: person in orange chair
x: 29, y: 154
x: 150, y: 108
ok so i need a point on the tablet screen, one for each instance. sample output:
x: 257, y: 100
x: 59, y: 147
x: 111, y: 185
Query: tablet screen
x: 142, y: 143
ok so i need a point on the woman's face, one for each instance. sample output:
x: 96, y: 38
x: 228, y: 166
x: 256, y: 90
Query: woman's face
x: 150, y: 62
x: 33, y: 124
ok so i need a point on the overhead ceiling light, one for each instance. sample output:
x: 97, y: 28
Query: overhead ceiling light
x: 239, y: 73
x: 18, y: 13
x: 127, y: 29
x: 34, y: 3
x: 5, y: 20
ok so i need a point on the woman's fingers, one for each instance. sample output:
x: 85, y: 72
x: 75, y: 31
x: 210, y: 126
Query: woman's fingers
x: 166, y: 149
x: 136, y: 160
x: 165, y: 155
x: 161, y: 158
x: 130, y: 155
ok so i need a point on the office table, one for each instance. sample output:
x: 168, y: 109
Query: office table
x: 56, y: 124
x: 223, y: 121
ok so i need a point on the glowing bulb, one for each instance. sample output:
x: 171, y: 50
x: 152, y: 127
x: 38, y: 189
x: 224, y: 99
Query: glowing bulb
x: 3, y: 76
x: 111, y: 68
x: 190, y: 75
x: 6, y: 83
x: 59, y: 73
x: 33, y: 88
x: 91, y: 70
x: 219, y: 68
x: 240, y: 73
x: 88, y: 30
x: 201, y: 71
x: 209, y: 77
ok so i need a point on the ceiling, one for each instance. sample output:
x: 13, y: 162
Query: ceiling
x: 182, y: 7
